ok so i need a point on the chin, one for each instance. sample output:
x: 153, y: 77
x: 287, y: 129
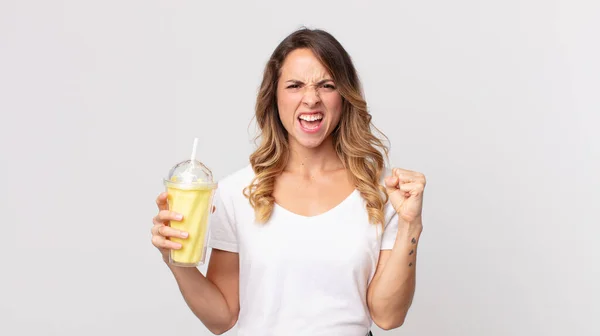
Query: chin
x: 307, y: 140
x: 310, y: 143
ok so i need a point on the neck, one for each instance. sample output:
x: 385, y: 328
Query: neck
x: 312, y: 161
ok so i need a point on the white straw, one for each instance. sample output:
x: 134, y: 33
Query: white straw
x: 193, y: 157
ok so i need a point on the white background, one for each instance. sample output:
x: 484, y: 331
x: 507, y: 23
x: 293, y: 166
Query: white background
x: 496, y: 102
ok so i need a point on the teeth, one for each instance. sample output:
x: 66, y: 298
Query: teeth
x: 311, y: 117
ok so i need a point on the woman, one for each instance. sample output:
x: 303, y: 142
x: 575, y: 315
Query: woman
x: 314, y: 236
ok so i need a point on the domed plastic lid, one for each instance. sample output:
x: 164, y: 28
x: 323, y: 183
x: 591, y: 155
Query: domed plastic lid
x: 190, y: 175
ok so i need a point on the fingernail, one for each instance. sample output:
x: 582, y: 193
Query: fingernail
x: 178, y: 217
x: 184, y: 234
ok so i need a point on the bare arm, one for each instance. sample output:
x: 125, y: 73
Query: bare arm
x: 214, y: 299
x: 392, y: 289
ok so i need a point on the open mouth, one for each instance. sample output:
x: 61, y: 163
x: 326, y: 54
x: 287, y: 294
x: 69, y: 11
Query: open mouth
x: 310, y: 122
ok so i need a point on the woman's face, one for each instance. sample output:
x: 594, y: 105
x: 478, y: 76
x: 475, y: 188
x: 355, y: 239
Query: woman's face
x: 309, y: 104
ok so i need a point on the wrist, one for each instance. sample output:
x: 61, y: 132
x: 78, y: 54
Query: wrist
x: 412, y: 228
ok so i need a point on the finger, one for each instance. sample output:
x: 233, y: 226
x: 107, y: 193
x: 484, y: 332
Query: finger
x: 404, y: 171
x: 161, y: 201
x: 171, y: 245
x: 162, y: 242
x: 391, y: 182
x: 158, y: 221
x: 412, y: 188
x: 155, y: 229
x: 408, y: 175
x: 391, y: 185
x: 408, y: 178
x: 403, y: 176
x: 166, y: 215
x: 167, y: 231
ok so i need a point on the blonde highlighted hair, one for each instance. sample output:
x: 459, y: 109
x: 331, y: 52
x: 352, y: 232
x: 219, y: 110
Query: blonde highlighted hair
x: 361, y: 152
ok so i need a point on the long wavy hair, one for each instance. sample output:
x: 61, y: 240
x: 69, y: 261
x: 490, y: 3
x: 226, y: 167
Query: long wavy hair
x: 360, y: 151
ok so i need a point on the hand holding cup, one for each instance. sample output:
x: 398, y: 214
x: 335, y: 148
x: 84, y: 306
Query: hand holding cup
x: 161, y: 231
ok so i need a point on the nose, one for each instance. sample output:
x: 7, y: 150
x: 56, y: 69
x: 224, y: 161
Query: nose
x: 311, y: 97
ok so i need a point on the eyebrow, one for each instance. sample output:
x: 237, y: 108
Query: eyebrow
x: 323, y: 81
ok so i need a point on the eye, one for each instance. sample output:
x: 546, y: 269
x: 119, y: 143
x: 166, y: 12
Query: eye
x: 328, y: 87
x: 293, y: 86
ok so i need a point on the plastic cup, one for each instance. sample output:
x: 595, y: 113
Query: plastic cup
x: 190, y: 189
